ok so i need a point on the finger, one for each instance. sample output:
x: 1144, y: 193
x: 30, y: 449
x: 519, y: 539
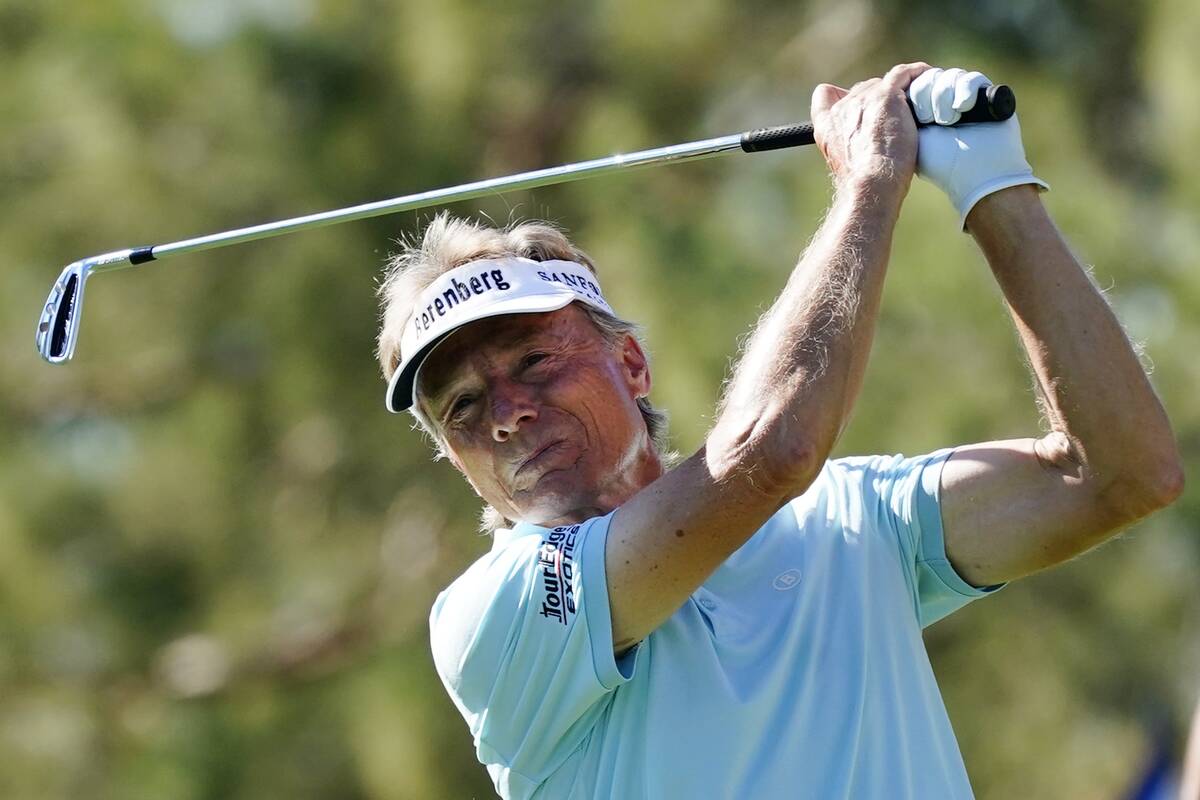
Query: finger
x: 920, y: 93
x: 902, y: 75
x: 943, y: 97
x: 862, y: 86
x: 966, y: 89
x: 823, y: 98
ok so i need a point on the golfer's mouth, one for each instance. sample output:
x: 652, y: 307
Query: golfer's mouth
x: 545, y: 451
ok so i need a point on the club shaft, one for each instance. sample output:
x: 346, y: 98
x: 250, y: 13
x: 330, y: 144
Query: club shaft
x: 58, y: 320
x: 992, y: 103
x: 691, y: 151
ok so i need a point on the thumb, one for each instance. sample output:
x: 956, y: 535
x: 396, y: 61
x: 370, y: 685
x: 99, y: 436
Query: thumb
x: 823, y: 98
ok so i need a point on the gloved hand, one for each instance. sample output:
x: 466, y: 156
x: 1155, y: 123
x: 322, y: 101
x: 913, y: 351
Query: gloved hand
x: 967, y: 162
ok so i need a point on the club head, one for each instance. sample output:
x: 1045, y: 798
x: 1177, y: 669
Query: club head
x: 58, y: 328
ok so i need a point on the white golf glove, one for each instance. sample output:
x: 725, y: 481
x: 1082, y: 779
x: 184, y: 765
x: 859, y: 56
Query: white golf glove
x: 971, y: 161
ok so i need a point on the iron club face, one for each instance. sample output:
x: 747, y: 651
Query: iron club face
x: 58, y: 328
x: 58, y: 325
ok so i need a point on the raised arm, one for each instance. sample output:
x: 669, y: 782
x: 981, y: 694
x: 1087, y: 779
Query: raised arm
x: 791, y: 392
x: 1012, y: 508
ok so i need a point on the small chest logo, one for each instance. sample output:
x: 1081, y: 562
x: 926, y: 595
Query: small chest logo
x: 788, y: 579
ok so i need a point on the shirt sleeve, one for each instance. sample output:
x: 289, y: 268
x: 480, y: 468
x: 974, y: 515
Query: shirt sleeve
x: 904, y: 496
x: 523, y: 643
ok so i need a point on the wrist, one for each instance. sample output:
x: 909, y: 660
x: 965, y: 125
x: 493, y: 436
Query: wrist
x: 882, y: 193
x: 1005, y: 210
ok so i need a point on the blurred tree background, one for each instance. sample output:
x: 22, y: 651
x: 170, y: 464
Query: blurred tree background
x: 217, y: 549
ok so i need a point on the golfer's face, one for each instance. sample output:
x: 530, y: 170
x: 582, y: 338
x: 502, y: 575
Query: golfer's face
x: 536, y: 410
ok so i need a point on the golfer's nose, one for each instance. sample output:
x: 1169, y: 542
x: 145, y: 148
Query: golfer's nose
x: 513, y: 405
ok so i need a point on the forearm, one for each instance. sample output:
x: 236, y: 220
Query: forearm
x: 1094, y: 390
x: 793, y: 388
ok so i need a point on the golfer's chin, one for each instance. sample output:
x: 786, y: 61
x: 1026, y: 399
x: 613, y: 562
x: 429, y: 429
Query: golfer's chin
x: 560, y: 497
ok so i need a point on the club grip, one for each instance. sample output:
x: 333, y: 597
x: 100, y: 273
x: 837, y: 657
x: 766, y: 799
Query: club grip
x: 994, y: 103
x: 777, y: 138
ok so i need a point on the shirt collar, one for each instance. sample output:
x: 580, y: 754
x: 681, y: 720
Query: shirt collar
x: 506, y: 536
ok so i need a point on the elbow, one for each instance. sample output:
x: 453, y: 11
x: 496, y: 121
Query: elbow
x: 1169, y: 482
x: 775, y: 462
x: 790, y: 470
x: 1158, y: 484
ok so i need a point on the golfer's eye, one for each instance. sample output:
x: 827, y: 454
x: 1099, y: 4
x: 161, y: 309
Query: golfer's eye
x: 531, y: 359
x: 460, y: 406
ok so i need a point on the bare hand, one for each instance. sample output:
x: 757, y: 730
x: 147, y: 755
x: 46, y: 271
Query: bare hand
x: 867, y: 132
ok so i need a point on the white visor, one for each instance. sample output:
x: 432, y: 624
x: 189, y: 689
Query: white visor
x: 482, y: 289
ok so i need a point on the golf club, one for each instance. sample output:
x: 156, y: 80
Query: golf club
x: 58, y: 325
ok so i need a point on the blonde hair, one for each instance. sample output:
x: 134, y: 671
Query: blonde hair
x: 448, y: 242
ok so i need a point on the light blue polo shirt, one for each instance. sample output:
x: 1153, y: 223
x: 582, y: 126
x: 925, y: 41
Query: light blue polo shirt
x: 796, y: 671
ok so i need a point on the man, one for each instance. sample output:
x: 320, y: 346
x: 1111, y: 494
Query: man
x: 747, y: 624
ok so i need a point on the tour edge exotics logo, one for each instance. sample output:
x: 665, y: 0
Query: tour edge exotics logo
x: 556, y: 563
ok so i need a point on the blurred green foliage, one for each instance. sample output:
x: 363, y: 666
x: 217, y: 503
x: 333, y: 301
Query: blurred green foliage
x: 218, y: 551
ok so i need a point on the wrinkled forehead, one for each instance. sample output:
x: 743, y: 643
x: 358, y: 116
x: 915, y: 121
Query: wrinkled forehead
x: 479, y: 343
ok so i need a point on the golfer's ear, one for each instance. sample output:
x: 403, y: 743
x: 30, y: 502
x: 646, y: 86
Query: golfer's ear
x: 637, y: 366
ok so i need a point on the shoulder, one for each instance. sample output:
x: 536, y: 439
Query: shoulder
x: 514, y: 602
x: 496, y: 575
x: 881, y: 473
x: 479, y: 613
x: 500, y: 564
x: 475, y: 612
x: 855, y: 468
x: 852, y: 486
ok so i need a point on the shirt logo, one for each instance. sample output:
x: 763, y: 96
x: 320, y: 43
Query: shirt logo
x: 556, y: 559
x: 788, y: 579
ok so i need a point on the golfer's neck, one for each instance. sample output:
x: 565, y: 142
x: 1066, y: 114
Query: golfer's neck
x: 628, y: 479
